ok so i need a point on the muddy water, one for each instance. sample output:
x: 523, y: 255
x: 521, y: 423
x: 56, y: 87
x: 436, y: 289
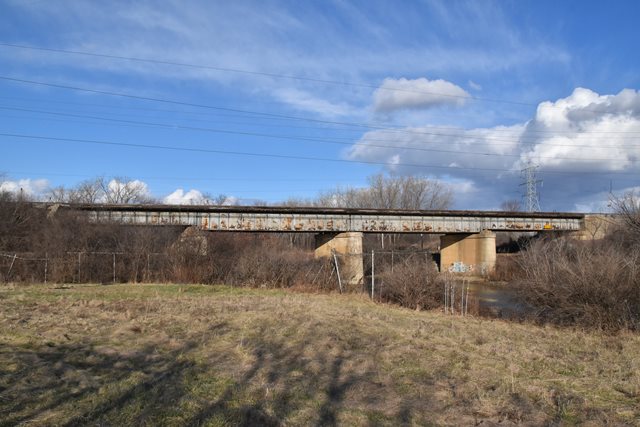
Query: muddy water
x: 494, y: 299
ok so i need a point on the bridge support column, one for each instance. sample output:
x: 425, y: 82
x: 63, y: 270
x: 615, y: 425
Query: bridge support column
x: 348, y: 247
x: 474, y: 253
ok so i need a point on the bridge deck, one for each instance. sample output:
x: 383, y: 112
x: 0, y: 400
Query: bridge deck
x: 306, y: 219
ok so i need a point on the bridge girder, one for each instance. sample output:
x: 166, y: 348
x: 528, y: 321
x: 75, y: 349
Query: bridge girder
x: 318, y: 220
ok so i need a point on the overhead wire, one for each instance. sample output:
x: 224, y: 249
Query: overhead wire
x: 286, y: 156
x: 269, y: 74
x: 518, y: 140
x: 212, y: 107
x: 235, y: 110
x: 272, y: 116
x: 360, y: 125
x: 332, y: 140
x: 324, y: 127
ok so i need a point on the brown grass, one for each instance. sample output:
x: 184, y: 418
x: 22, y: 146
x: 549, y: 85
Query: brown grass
x: 203, y: 355
x: 507, y: 268
x: 587, y: 284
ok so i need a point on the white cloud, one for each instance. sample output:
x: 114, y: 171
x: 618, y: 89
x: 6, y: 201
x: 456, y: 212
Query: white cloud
x: 475, y: 86
x: 28, y: 187
x: 590, y: 137
x: 603, y: 201
x: 278, y: 40
x: 305, y: 101
x: 586, y: 132
x: 116, y: 185
x: 231, y: 201
x: 196, y: 197
x: 180, y: 197
x: 422, y: 93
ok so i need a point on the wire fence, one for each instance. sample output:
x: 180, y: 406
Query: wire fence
x: 118, y: 266
x: 82, y: 267
x: 407, y: 277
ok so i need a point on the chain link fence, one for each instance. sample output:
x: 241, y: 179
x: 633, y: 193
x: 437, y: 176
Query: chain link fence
x: 83, y: 267
x: 407, y: 278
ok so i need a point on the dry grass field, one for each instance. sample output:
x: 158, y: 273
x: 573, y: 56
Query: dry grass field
x: 216, y: 355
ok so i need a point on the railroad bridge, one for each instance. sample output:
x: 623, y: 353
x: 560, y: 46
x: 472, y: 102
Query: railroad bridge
x: 468, y: 237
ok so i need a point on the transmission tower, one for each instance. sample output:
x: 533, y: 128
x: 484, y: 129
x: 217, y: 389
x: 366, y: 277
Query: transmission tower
x: 530, y: 183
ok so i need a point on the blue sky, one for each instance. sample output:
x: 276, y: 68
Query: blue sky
x: 462, y: 91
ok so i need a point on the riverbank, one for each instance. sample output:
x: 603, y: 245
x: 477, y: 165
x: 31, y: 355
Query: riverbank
x: 216, y: 355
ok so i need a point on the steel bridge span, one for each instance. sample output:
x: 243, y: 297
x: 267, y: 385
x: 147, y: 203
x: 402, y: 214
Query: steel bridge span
x: 332, y: 220
x: 467, y: 242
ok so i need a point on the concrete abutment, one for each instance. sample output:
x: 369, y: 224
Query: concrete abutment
x: 475, y: 253
x: 460, y: 253
x: 348, y: 248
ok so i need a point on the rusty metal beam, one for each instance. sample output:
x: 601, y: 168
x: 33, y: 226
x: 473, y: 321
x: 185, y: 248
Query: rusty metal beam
x: 285, y: 219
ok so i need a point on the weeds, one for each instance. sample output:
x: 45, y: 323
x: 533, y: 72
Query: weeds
x: 213, y: 355
x: 414, y: 283
x: 589, y: 284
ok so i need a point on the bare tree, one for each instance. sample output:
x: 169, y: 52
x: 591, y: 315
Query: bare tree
x: 220, y: 199
x: 122, y: 190
x: 57, y: 194
x: 3, y: 178
x: 511, y: 205
x: 384, y: 192
x: 102, y: 190
x: 296, y: 202
x: 628, y: 208
x: 89, y: 191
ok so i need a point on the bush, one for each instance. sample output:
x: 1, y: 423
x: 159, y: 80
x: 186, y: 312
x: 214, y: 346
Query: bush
x: 507, y: 268
x: 413, y: 283
x: 589, y: 284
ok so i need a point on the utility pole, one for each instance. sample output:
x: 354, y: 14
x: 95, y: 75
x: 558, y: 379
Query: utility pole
x: 530, y: 183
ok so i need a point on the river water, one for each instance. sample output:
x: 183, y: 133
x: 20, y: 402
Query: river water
x: 494, y: 299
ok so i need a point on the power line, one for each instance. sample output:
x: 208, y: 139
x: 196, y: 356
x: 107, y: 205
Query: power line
x: 184, y: 103
x: 170, y: 178
x: 253, y: 117
x: 455, y: 135
x: 284, y: 156
x: 326, y: 140
x: 333, y: 140
x: 267, y: 74
x: 256, y: 73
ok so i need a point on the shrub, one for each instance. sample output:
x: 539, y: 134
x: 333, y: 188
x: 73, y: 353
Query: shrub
x: 589, y: 284
x: 414, y: 283
x: 507, y: 268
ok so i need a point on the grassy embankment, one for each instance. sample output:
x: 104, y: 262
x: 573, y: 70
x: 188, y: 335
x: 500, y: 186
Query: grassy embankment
x: 203, y: 355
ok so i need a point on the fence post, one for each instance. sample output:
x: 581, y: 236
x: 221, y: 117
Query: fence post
x: 11, y: 266
x: 79, y: 254
x: 466, y: 301
x: 114, y: 267
x: 373, y: 274
x: 446, y: 296
x: 392, y: 260
x: 335, y: 260
x: 46, y: 264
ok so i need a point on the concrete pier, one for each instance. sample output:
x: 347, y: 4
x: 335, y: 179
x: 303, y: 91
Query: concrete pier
x: 348, y: 248
x: 473, y: 253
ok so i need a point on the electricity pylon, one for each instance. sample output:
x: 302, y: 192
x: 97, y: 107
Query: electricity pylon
x: 530, y: 183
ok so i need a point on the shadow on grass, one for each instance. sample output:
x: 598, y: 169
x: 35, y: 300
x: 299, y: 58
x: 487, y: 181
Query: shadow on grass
x: 286, y: 378
x: 78, y: 384
x: 42, y: 381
